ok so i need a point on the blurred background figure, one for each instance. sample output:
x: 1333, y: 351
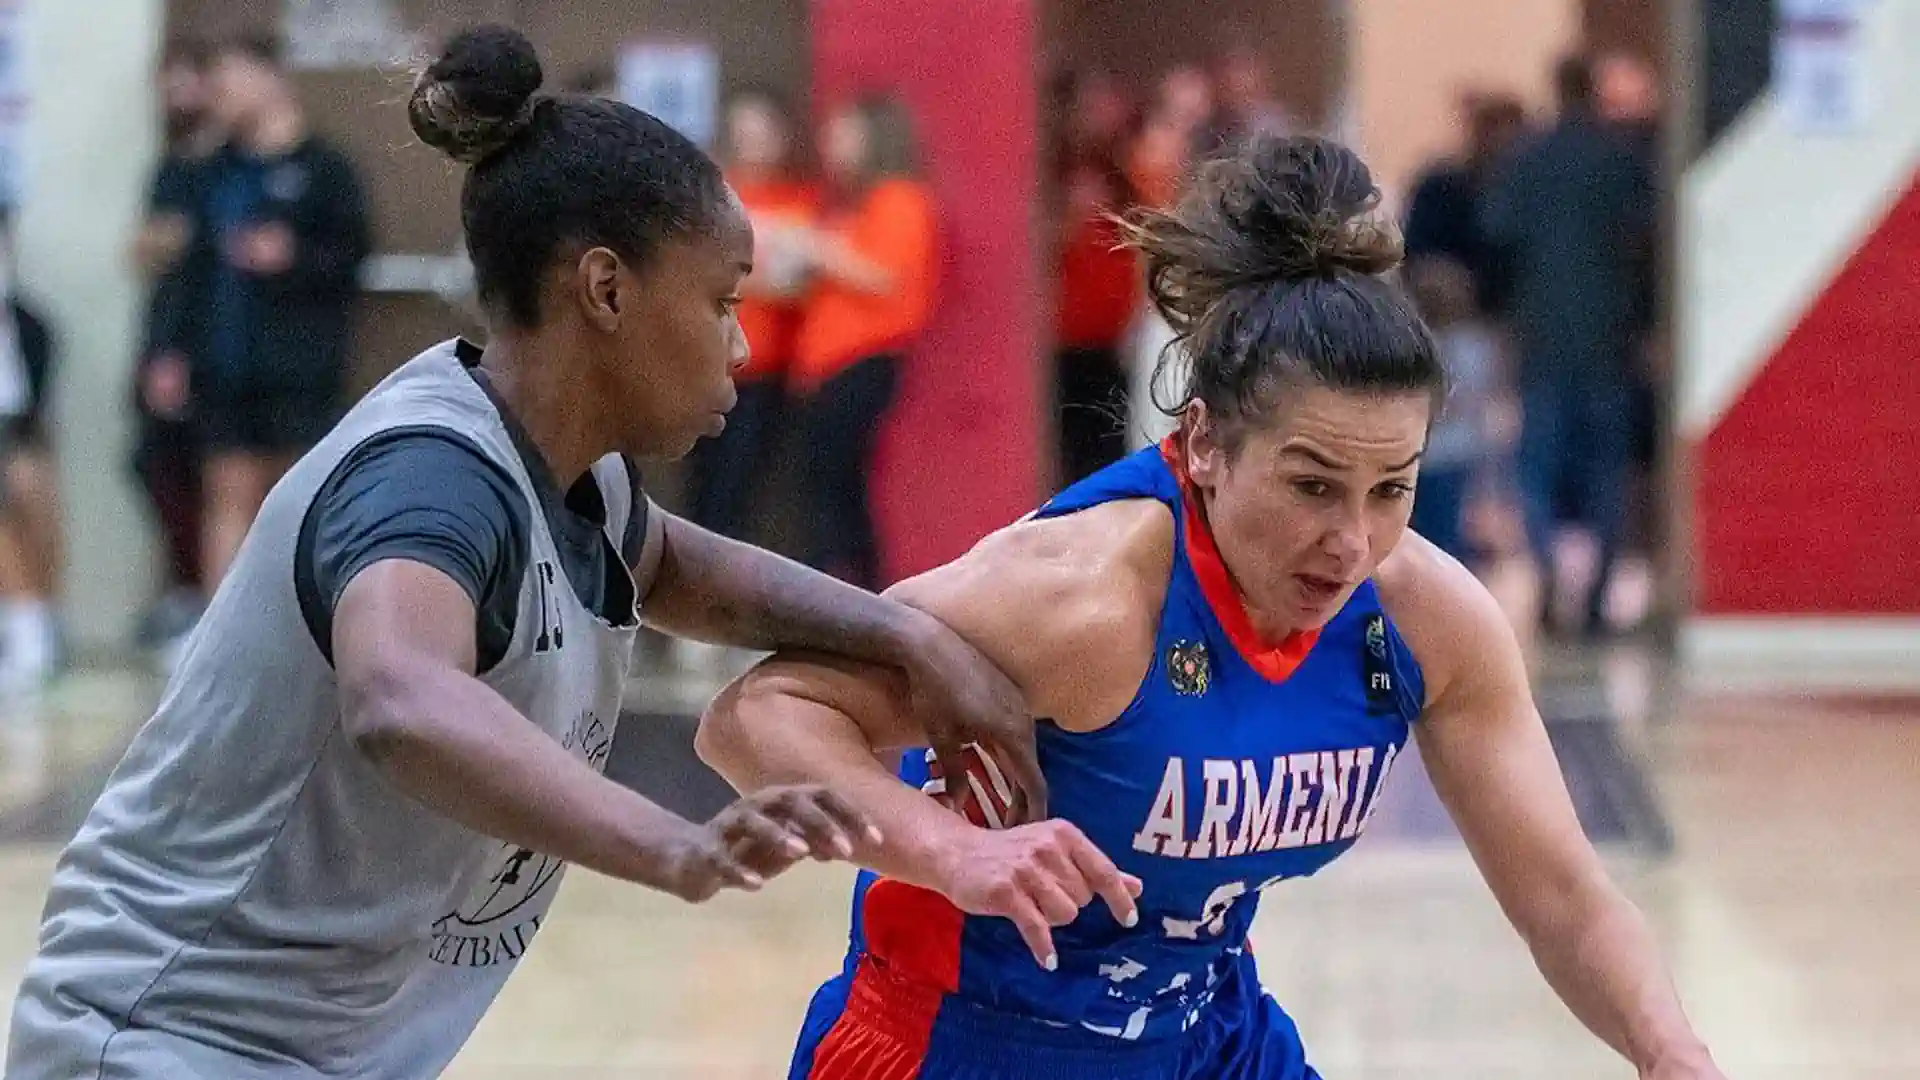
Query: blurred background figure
x: 1248, y: 104
x: 179, y: 274
x: 30, y: 540
x: 284, y: 224
x: 1627, y: 90
x: 1446, y: 213
x: 1097, y: 285
x: 1571, y: 215
x: 872, y: 267
x: 760, y: 161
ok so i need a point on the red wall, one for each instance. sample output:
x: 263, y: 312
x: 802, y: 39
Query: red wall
x: 960, y: 456
x: 1805, y: 497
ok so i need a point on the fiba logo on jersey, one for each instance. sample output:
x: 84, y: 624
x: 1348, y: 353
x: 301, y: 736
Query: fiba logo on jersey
x: 1375, y: 665
x: 1188, y: 669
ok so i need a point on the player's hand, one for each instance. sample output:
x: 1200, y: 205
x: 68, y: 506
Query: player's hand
x: 762, y: 836
x: 1039, y: 876
x: 960, y: 696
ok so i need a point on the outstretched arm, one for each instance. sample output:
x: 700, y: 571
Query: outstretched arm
x: 704, y: 586
x: 1055, y: 625
x: 1486, y: 749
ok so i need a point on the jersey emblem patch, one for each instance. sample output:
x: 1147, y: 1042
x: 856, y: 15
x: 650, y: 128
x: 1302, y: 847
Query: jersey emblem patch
x: 1188, y: 668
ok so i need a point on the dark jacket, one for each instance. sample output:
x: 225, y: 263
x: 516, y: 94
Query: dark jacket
x: 1572, y: 215
x: 300, y: 333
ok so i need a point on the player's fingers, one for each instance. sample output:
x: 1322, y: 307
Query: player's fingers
x: 1117, y: 889
x: 1034, y: 931
x: 751, y: 826
x: 1053, y: 901
x: 803, y: 817
x: 849, y: 818
x: 731, y: 873
x: 1059, y: 863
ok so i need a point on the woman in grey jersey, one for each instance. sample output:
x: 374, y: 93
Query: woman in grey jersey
x: 346, y: 821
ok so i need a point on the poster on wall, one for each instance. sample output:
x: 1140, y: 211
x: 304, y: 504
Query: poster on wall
x: 677, y: 81
x: 1819, y: 68
x: 14, y: 103
x: 332, y: 35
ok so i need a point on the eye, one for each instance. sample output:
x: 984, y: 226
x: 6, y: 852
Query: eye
x: 1313, y: 489
x: 1395, y: 490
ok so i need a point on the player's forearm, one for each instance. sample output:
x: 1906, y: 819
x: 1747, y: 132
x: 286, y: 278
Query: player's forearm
x: 454, y: 745
x: 756, y: 737
x: 1604, y: 963
x: 717, y: 590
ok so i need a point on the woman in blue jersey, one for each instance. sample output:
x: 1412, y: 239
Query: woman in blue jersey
x: 1232, y: 638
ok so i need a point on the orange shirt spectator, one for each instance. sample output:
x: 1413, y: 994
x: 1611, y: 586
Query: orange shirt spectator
x: 769, y: 316
x: 891, y: 228
x: 1099, y: 283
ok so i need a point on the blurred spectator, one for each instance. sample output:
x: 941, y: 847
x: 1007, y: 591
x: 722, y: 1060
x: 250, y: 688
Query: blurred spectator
x: 1462, y: 463
x: 167, y: 452
x: 1572, y: 214
x: 1248, y: 105
x: 30, y: 541
x: 873, y: 266
x: 1628, y: 91
x: 1098, y: 289
x: 1444, y: 214
x: 758, y: 160
x: 1099, y: 116
x: 286, y: 223
x: 1188, y: 102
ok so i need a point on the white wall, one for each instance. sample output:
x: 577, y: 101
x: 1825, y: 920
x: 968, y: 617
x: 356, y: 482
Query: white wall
x: 1408, y: 60
x: 89, y: 149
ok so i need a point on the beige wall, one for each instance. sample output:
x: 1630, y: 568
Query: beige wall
x: 89, y: 148
x: 1410, y: 59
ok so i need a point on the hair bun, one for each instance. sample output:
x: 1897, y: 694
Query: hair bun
x: 474, y: 100
x: 1280, y: 211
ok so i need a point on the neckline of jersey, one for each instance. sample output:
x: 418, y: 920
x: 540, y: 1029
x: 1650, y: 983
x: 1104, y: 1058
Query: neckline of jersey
x: 1273, y: 661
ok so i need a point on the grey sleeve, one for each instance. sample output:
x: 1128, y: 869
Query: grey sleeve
x: 428, y: 495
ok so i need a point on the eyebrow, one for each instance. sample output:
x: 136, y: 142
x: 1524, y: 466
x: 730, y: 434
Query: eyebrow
x: 1328, y: 463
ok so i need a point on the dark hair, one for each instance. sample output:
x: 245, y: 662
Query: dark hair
x: 1269, y: 271
x: 256, y: 47
x: 549, y: 172
x: 1573, y: 82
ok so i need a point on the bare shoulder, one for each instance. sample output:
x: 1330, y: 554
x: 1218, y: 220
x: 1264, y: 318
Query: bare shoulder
x: 1454, y: 626
x: 1068, y: 606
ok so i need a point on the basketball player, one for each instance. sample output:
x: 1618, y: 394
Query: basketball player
x: 343, y: 827
x: 1231, y: 638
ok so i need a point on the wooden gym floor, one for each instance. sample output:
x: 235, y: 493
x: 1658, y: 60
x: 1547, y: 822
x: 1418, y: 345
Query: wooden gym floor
x: 1774, y: 841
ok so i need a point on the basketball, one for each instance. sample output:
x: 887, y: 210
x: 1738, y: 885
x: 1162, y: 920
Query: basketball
x: 986, y: 799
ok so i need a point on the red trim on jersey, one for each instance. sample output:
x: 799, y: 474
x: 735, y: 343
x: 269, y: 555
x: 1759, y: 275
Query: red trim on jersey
x: 1273, y: 662
x: 912, y: 962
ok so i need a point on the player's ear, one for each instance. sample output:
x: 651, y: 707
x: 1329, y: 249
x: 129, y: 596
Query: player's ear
x: 598, y: 286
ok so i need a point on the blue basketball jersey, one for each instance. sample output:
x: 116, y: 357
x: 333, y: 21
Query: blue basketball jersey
x: 1236, y: 767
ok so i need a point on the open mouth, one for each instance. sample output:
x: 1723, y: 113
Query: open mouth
x: 1318, y: 589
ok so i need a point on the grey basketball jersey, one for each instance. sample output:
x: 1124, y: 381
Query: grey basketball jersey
x: 249, y: 898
